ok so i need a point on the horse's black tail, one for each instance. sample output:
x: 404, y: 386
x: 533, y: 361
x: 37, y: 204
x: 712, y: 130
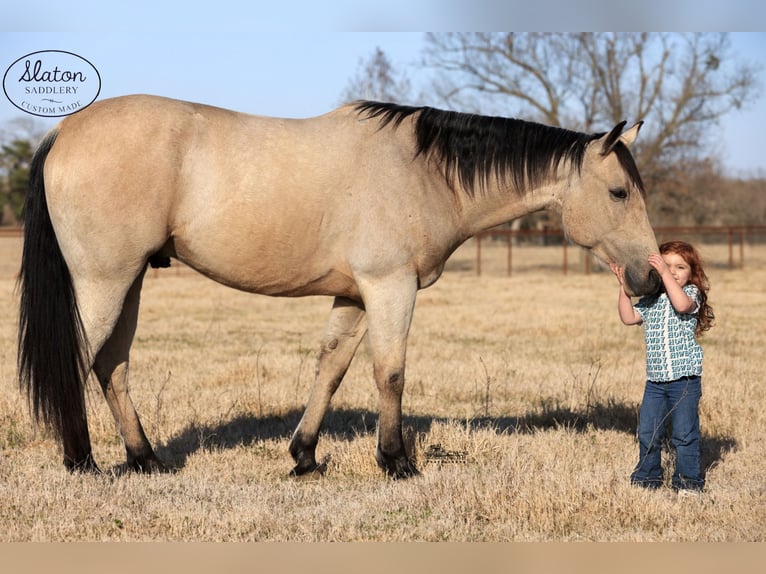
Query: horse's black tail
x: 52, y: 351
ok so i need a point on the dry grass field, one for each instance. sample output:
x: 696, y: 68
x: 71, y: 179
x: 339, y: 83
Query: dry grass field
x: 530, y: 382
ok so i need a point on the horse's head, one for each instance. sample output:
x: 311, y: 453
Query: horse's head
x: 604, y: 210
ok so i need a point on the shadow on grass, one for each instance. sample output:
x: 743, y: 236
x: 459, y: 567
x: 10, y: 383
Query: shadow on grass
x: 349, y: 424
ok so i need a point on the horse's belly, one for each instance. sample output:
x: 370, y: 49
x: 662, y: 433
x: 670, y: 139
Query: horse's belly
x: 289, y: 279
x: 333, y: 283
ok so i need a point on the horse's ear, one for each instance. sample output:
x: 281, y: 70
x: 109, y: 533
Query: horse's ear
x: 630, y: 136
x: 608, y: 141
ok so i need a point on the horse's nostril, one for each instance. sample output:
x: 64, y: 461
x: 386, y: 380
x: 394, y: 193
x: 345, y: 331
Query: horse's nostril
x: 655, y: 281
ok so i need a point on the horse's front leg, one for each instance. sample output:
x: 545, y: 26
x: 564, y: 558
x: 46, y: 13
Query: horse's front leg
x: 390, y: 303
x: 345, y: 328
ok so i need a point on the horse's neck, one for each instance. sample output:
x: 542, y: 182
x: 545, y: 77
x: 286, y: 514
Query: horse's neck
x: 492, y: 207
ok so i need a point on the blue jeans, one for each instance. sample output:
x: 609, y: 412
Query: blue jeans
x: 676, y: 402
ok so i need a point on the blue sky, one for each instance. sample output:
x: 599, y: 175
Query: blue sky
x: 270, y: 61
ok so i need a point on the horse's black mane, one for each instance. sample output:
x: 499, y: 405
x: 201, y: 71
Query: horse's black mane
x: 472, y: 148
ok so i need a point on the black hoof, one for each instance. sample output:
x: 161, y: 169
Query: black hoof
x: 402, y: 471
x: 304, y: 457
x: 397, y: 467
x: 309, y: 472
x: 84, y: 466
x: 149, y: 465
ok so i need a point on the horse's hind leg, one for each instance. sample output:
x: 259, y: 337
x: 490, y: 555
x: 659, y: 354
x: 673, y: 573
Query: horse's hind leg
x: 100, y: 304
x: 111, y: 369
x: 345, y: 328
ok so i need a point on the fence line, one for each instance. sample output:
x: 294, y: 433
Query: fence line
x: 732, y: 234
x: 735, y: 236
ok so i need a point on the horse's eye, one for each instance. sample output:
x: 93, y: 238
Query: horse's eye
x: 618, y: 194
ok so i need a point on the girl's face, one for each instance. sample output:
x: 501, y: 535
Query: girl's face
x: 679, y: 268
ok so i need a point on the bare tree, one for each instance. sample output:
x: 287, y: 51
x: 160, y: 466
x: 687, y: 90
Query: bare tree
x: 376, y: 79
x: 680, y: 84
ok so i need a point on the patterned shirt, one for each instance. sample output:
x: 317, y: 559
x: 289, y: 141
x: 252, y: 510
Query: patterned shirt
x: 672, y: 351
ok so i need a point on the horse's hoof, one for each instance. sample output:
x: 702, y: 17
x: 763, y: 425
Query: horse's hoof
x: 149, y: 465
x: 85, y: 466
x: 310, y: 472
x: 398, y: 468
x: 402, y: 471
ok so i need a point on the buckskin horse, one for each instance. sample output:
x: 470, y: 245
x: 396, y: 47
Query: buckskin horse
x: 363, y: 204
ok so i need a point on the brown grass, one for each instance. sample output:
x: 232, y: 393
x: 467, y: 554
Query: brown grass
x: 531, y: 381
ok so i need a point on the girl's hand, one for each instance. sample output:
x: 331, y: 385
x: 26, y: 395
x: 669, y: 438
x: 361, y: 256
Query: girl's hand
x: 681, y: 301
x: 656, y: 261
x: 628, y: 314
x: 618, y: 272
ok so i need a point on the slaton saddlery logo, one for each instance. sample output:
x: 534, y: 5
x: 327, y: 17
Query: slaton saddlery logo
x: 51, y: 83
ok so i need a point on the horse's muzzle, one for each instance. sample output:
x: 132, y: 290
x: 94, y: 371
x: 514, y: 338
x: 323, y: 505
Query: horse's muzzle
x: 642, y: 282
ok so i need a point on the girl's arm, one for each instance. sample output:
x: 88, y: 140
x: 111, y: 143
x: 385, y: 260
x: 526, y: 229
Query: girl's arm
x: 628, y: 314
x: 681, y: 302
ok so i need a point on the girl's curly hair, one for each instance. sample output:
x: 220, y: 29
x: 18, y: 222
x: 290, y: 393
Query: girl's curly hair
x: 705, y: 316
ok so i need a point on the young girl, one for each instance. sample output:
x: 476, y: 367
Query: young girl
x: 671, y: 318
